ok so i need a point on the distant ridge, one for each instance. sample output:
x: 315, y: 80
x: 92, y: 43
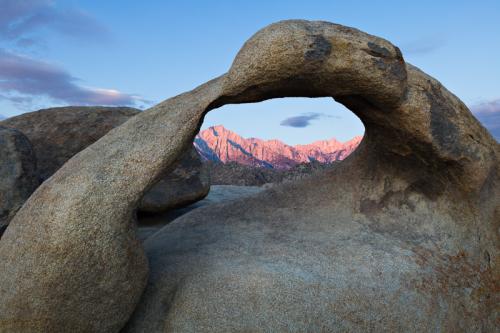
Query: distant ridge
x: 219, y: 144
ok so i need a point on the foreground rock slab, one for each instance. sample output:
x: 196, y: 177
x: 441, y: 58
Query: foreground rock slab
x: 402, y: 236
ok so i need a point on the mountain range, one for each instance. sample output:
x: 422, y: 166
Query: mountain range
x: 219, y: 144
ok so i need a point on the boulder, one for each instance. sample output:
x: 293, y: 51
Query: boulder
x: 18, y: 178
x: 401, y: 236
x: 57, y: 134
x: 187, y: 183
x: 60, y: 133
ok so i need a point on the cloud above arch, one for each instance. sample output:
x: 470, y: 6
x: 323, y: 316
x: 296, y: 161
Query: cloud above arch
x: 304, y: 120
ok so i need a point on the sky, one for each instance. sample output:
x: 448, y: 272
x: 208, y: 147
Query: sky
x: 138, y: 53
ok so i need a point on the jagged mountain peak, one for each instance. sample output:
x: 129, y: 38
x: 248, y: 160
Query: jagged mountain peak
x: 220, y: 144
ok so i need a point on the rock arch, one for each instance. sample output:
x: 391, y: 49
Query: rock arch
x: 427, y: 171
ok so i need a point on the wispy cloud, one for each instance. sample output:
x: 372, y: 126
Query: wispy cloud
x: 423, y: 46
x: 28, y: 82
x: 19, y: 20
x: 489, y: 115
x: 304, y: 119
x: 22, y: 78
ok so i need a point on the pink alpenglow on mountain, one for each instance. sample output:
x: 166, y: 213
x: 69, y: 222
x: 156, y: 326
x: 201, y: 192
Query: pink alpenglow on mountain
x: 219, y: 144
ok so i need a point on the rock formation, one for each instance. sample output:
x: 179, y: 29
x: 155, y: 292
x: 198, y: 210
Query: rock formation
x: 402, y: 236
x: 219, y: 144
x: 187, y: 183
x: 18, y: 178
x: 60, y: 133
x: 57, y: 134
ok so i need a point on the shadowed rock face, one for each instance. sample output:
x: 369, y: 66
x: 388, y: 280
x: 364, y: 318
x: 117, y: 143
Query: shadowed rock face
x: 186, y: 184
x: 18, y: 178
x: 402, y: 236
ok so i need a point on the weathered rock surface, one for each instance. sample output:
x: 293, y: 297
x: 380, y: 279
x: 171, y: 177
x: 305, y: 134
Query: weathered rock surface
x: 60, y: 133
x: 403, y: 236
x: 187, y: 183
x: 18, y: 178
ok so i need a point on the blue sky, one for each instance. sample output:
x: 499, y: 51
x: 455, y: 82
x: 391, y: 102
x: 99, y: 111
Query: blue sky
x: 141, y: 52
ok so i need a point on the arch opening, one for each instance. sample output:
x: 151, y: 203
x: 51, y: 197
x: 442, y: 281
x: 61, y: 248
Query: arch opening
x: 275, y: 140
